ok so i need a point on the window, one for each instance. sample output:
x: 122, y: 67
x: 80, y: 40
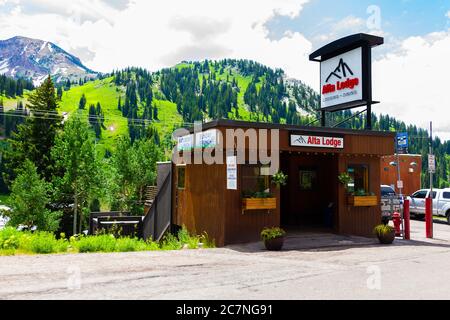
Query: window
x: 446, y: 195
x: 422, y: 194
x: 308, y: 179
x: 253, y: 179
x: 359, y: 175
x: 181, y: 176
x: 434, y: 195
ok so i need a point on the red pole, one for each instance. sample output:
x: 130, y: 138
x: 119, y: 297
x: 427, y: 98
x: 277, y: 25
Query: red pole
x: 406, y: 219
x: 428, y: 218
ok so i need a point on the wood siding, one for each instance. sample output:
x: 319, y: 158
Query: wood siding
x: 206, y: 205
x: 411, y: 180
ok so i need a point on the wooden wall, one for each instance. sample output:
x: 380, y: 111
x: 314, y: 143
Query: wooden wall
x: 411, y: 180
x: 206, y: 205
x: 359, y: 220
x: 200, y: 205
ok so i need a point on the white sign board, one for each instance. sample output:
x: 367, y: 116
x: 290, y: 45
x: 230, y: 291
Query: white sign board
x: 400, y: 184
x: 231, y: 172
x: 317, y: 141
x: 341, y: 79
x: 206, y: 139
x: 431, y: 163
x: 185, y: 142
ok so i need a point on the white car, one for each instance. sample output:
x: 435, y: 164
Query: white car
x: 441, y: 202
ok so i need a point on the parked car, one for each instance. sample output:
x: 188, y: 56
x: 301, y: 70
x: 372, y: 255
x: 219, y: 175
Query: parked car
x: 441, y: 202
x: 387, y: 191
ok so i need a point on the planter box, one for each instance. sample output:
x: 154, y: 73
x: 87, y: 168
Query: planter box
x: 363, y: 201
x: 259, y: 203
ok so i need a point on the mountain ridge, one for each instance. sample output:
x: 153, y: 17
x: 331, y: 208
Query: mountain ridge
x: 23, y: 57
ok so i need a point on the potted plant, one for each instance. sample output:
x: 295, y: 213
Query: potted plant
x: 385, y: 233
x: 344, y: 178
x: 279, y: 179
x: 273, y: 238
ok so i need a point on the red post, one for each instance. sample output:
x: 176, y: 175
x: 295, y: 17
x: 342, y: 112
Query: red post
x: 406, y: 217
x: 428, y: 218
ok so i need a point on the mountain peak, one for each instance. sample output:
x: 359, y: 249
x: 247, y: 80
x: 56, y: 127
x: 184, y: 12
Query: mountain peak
x: 23, y: 57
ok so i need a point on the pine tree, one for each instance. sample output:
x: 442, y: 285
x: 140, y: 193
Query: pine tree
x: 59, y: 93
x: 36, y: 136
x: 82, y: 103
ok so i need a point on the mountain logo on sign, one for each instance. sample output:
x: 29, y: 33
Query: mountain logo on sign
x: 340, y: 71
x: 301, y: 140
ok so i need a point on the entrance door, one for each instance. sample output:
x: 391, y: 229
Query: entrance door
x: 309, y: 198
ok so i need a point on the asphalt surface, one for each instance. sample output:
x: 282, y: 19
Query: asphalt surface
x: 334, y: 268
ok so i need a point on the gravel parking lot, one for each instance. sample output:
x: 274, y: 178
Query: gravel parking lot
x: 351, y: 268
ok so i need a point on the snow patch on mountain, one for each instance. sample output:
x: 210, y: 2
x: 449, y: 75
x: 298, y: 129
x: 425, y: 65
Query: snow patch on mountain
x: 22, y: 57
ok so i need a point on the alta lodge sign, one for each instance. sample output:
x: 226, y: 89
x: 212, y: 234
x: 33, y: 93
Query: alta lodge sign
x: 317, y: 141
x: 341, y: 79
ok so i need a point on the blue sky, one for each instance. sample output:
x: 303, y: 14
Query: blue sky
x: 400, y: 19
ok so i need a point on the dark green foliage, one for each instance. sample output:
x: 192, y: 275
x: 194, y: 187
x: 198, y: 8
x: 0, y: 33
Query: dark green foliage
x: 82, y: 103
x: 35, y: 137
x: 96, y: 119
x: 12, y: 87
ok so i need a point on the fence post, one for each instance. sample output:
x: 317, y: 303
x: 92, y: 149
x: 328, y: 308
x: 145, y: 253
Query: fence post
x: 406, y: 217
x: 429, y: 217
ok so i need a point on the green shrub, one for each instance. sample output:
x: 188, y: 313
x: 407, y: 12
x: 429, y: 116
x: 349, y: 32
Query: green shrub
x: 170, y: 242
x: 272, y: 233
x: 381, y: 229
x: 45, y: 242
x: 206, y: 241
x: 104, y: 243
x: 9, y: 238
x: 12, y: 241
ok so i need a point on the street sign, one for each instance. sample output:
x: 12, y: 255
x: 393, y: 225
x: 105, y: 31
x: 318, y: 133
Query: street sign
x: 431, y: 163
x: 400, y: 184
x: 402, y: 142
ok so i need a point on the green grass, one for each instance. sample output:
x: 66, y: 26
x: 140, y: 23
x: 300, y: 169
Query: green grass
x: 4, y: 199
x: 13, y: 242
x: 105, y: 92
x: 11, y: 103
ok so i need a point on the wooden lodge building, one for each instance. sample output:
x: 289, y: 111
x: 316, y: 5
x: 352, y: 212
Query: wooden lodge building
x: 212, y: 198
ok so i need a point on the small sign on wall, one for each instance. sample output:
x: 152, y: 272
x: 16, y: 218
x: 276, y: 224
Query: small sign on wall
x: 317, y: 141
x: 231, y: 172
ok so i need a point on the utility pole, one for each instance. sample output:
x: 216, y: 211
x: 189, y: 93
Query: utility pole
x: 398, y: 170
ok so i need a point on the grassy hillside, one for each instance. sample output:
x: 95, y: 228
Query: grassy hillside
x: 11, y: 103
x: 107, y: 94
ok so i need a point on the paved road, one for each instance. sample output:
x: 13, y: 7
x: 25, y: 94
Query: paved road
x: 407, y: 270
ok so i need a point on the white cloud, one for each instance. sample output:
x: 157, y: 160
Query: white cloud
x: 339, y: 29
x: 448, y: 14
x: 412, y: 83
x: 159, y: 34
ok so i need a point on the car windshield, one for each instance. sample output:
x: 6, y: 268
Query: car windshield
x: 387, y: 191
x: 420, y: 194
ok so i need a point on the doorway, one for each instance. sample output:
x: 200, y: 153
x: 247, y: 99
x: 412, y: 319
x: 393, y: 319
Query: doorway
x: 309, y: 199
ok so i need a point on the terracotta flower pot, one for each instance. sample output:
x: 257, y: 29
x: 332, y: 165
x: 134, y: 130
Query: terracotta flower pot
x: 386, y: 238
x: 274, y: 244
